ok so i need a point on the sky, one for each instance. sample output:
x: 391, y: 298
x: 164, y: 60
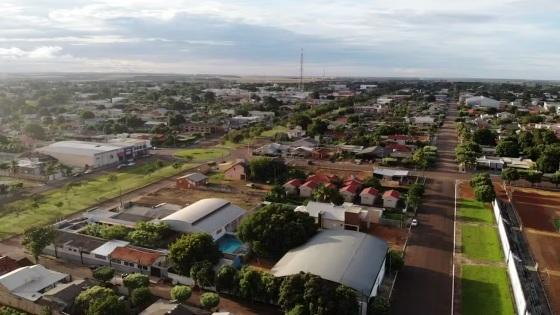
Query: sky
x: 516, y: 39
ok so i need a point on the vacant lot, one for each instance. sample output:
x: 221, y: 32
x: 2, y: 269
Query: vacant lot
x: 272, y: 132
x: 202, y: 154
x: 537, y: 208
x: 394, y: 236
x: 45, y: 208
x: 475, y: 211
x: 485, y: 290
x: 245, y: 200
x: 481, y: 242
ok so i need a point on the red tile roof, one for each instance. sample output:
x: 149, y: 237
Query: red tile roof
x: 398, y: 147
x: 370, y: 191
x: 296, y: 182
x: 352, y: 188
x: 141, y: 257
x: 311, y: 184
x: 320, y: 178
x: 392, y: 193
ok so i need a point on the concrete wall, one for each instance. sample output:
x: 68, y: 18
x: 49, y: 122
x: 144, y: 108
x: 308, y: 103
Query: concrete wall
x: 515, y: 280
x: 6, y: 298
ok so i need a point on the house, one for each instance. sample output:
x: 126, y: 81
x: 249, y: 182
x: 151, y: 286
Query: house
x: 8, y: 264
x: 296, y: 132
x: 422, y: 121
x: 356, y: 260
x: 392, y: 175
x: 63, y: 295
x: 136, y: 259
x: 272, y: 149
x: 191, y: 180
x: 31, y: 282
x: 165, y: 307
x: 237, y: 171
x: 329, y: 216
x: 374, y: 152
x: 391, y: 198
x: 400, y: 139
x: 292, y: 186
x: 307, y: 188
x: 203, y: 128
x: 350, y: 191
x: 212, y: 215
x: 368, y: 196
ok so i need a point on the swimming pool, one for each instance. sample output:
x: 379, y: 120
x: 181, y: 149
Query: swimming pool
x: 229, y: 244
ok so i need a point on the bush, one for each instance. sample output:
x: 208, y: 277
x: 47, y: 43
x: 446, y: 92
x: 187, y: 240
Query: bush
x: 104, y: 274
x: 135, y: 281
x: 209, y: 300
x: 396, y: 261
x: 181, y: 293
x: 140, y: 296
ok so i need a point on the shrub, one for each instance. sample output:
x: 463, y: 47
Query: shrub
x: 181, y: 293
x: 209, y: 300
x: 140, y: 296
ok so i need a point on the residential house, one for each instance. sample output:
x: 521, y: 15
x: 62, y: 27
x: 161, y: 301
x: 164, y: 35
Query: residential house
x: 137, y: 259
x: 292, y: 186
x: 368, y: 196
x: 392, y: 175
x: 350, y: 191
x: 273, y: 149
x: 237, y: 171
x: 31, y: 282
x: 191, y: 180
x: 344, y: 217
x: 391, y: 198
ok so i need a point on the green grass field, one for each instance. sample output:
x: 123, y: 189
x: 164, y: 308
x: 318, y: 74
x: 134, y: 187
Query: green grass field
x: 20, y: 215
x: 202, y: 154
x: 273, y: 131
x: 481, y: 242
x: 485, y: 290
x: 475, y: 211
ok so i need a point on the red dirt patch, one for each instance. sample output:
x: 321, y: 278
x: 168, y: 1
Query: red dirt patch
x: 545, y: 247
x: 553, y: 289
x: 537, y: 209
x: 394, y: 236
x: 465, y: 190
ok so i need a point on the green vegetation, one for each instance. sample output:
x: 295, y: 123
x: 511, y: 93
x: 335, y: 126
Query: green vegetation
x: 202, y: 154
x: 481, y: 242
x: 556, y: 223
x: 485, y: 290
x: 43, y: 209
x: 272, y: 132
x: 483, y: 188
x: 193, y: 248
x: 475, y: 211
x: 181, y: 293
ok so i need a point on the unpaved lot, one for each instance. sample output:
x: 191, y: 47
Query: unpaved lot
x: 537, y: 208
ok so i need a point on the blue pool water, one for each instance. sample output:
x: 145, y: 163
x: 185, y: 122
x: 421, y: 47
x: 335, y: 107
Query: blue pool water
x: 229, y: 244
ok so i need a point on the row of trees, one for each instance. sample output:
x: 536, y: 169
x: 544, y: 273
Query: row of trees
x: 483, y: 188
x: 146, y: 234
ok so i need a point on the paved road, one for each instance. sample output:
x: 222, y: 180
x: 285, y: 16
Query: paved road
x: 424, y: 284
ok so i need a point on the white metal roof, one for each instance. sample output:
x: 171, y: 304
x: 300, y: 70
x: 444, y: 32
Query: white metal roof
x: 107, y: 248
x: 328, y: 210
x: 347, y: 257
x: 27, y: 282
x: 206, y: 215
x: 78, y: 147
x: 390, y: 172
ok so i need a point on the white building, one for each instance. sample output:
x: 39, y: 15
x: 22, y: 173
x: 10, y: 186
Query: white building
x: 213, y: 216
x: 31, y: 282
x: 345, y: 216
x: 482, y: 101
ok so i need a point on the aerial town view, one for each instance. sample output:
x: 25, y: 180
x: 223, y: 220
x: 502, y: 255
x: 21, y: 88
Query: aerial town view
x: 281, y: 157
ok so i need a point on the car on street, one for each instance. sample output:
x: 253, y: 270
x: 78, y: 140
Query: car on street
x: 414, y: 222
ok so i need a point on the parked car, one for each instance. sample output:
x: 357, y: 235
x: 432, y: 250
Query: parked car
x: 414, y: 222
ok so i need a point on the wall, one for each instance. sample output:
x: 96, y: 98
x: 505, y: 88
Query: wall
x: 519, y: 296
x: 6, y: 298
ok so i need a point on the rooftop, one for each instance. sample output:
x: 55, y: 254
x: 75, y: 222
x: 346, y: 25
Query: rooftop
x: 77, y: 147
x: 141, y: 257
x: 28, y: 282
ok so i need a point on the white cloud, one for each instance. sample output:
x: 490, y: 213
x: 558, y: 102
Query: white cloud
x: 43, y: 52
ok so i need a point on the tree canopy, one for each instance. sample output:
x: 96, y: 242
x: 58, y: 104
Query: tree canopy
x: 192, y: 248
x: 98, y: 300
x: 35, y: 239
x: 181, y: 293
x: 275, y: 229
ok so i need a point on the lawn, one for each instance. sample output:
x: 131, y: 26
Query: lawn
x: 58, y: 203
x: 481, y: 242
x: 272, y: 132
x: 485, y: 290
x: 475, y: 211
x: 202, y: 154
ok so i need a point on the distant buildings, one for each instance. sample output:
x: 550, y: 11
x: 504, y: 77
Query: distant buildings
x: 482, y: 101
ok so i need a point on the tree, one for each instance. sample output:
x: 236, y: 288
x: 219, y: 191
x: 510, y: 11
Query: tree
x: 226, y: 279
x: 533, y: 177
x: 420, y: 159
x: 45, y: 310
x: 484, y: 193
x: 480, y: 179
x: 299, y: 309
x: 192, y: 248
x: 140, y: 296
x: 373, y: 182
x: 510, y: 175
x: 291, y: 291
x: 396, y: 260
x: 318, y: 127
x: 35, y: 239
x: 276, y: 194
x: 346, y: 301
x: 301, y: 120
x: 181, y: 293
x: 6, y: 310
x: 274, y: 229
x: 507, y: 148
x: 209, y: 300
x: 555, y: 179
x: 250, y: 285
x: 136, y: 280
x: 202, y: 274
x: 381, y: 306
x: 98, y: 300
x: 148, y: 234
x: 104, y: 274
x: 484, y: 136
x: 467, y: 153
x: 267, y: 169
x: 114, y: 232
x: 35, y: 131
x: 549, y: 160
x: 88, y: 115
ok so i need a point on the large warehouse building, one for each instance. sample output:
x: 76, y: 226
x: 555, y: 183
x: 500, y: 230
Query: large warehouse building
x: 85, y: 154
x: 354, y: 259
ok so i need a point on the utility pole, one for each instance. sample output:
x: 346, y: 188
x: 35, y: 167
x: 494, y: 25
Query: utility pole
x: 301, y: 71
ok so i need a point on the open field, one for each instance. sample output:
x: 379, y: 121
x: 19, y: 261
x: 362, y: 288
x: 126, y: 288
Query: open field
x: 481, y: 242
x: 485, y: 290
x: 182, y: 197
x: 12, y: 180
x: 45, y: 208
x: 202, y: 154
x: 475, y: 211
x: 537, y: 208
x: 552, y: 285
x: 274, y: 131
x: 545, y: 247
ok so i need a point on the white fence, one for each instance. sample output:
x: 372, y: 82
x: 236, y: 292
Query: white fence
x: 510, y: 259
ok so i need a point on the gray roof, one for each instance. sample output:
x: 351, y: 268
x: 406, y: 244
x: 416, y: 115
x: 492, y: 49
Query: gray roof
x: 390, y: 172
x: 195, y: 177
x: 347, y: 257
x: 206, y: 215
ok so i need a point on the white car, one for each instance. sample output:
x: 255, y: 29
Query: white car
x: 414, y: 222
